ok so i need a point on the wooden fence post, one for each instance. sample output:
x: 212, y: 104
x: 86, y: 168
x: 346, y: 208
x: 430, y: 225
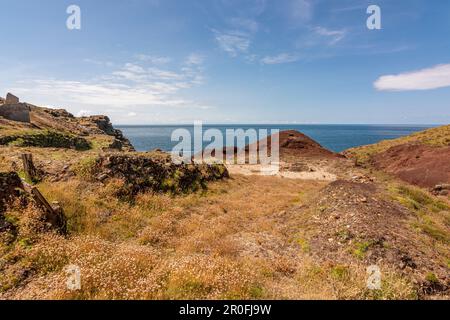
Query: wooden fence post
x: 54, y: 215
x: 31, y: 174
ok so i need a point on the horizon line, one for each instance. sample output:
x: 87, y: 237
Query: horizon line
x: 285, y: 124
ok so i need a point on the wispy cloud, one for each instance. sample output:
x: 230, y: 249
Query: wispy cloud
x: 195, y: 59
x: 99, y: 62
x: 84, y: 113
x: 237, y: 38
x: 233, y: 42
x: 333, y: 36
x: 280, y: 58
x: 134, y: 84
x: 153, y: 59
x: 425, y: 79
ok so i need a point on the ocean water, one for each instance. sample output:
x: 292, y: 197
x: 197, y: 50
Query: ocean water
x: 333, y: 137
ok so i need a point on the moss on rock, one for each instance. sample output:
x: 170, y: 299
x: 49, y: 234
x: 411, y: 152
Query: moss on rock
x: 150, y: 172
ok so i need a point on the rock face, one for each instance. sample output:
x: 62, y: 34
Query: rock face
x: 157, y: 173
x: 103, y: 125
x: 59, y: 120
x: 441, y: 189
x: 15, y: 112
x: 12, y: 109
x: 11, y: 99
x: 10, y: 184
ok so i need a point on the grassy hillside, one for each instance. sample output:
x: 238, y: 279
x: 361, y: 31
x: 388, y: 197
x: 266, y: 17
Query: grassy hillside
x: 438, y: 137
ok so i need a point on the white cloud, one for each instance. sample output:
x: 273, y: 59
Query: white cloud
x: 84, y: 113
x: 334, y: 35
x: 131, y: 85
x: 233, y: 42
x: 164, y: 74
x: 153, y: 59
x: 425, y: 79
x: 99, y: 62
x: 195, y: 59
x: 133, y: 68
x: 279, y: 59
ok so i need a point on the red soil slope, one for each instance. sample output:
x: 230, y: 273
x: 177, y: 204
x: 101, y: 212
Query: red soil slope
x: 296, y: 144
x: 293, y: 144
x: 418, y: 164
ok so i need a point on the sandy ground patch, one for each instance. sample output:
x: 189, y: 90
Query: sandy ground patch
x: 320, y: 174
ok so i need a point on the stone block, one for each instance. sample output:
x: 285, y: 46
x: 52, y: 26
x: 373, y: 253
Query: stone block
x: 16, y: 112
x: 11, y: 99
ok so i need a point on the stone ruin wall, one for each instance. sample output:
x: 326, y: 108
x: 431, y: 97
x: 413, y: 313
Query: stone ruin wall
x: 12, y: 109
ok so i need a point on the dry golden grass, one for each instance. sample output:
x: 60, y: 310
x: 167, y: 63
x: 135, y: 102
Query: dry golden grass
x: 234, y: 241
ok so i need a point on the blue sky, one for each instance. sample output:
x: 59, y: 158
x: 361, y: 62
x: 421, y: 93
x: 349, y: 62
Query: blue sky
x: 230, y: 61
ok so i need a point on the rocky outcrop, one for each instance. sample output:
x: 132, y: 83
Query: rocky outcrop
x: 12, y: 109
x: 10, y: 189
x: 23, y: 116
x: 103, y: 125
x: 11, y: 99
x: 441, y: 189
x: 154, y: 172
x: 61, y: 120
x: 59, y: 113
x: 16, y: 112
x: 10, y: 186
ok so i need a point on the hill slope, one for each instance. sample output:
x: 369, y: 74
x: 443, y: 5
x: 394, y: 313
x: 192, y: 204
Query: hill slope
x: 95, y: 130
x: 421, y: 158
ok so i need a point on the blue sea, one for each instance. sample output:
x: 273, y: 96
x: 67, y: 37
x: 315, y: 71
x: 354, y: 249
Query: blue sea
x: 333, y: 137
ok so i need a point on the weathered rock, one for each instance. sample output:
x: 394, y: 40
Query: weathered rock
x: 10, y: 186
x: 61, y: 121
x: 103, y: 125
x: 59, y: 113
x: 15, y: 112
x: 11, y: 99
x: 8, y: 231
x: 10, y: 189
x: 147, y: 172
x: 441, y: 190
